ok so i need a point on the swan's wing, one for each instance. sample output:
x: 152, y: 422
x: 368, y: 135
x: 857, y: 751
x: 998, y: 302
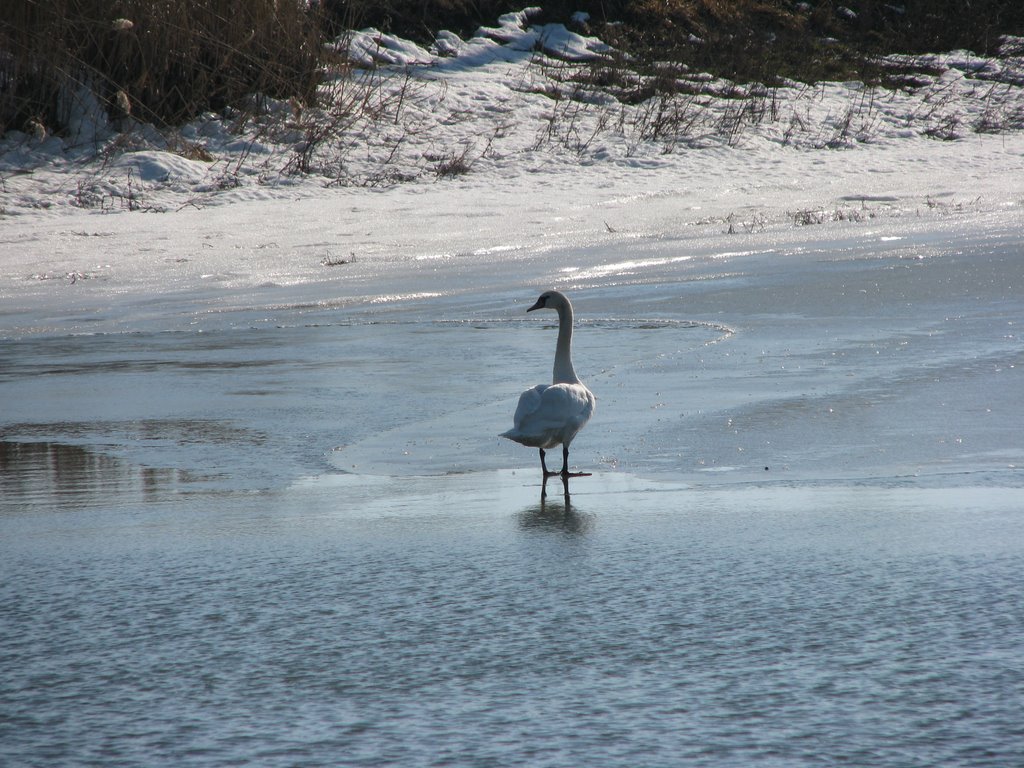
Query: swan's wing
x: 549, y: 414
x: 523, y: 429
x: 578, y: 405
x: 529, y: 403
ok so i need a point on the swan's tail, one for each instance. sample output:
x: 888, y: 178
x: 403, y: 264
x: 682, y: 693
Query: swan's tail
x: 522, y: 439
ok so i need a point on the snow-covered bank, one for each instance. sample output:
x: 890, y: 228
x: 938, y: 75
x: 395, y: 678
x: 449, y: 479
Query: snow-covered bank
x: 498, y: 112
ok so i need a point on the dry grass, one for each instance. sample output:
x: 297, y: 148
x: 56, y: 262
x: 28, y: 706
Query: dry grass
x: 166, y: 61
x: 160, y: 61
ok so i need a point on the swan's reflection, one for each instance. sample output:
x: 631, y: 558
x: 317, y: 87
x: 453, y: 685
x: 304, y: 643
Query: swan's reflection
x: 551, y: 515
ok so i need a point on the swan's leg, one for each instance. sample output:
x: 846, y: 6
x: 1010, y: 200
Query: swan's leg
x: 565, y: 465
x: 544, y: 467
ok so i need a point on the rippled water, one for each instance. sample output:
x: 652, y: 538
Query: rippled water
x: 461, y: 621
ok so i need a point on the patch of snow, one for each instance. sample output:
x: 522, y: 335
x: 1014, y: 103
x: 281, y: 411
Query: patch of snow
x: 515, y: 32
x: 371, y: 47
x: 154, y: 167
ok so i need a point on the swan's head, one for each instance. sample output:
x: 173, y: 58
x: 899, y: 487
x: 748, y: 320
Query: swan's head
x: 550, y: 300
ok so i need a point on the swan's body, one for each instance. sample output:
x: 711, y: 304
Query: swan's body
x: 552, y: 414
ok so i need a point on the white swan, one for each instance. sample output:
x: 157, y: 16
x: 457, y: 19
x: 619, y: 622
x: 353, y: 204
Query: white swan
x: 552, y: 414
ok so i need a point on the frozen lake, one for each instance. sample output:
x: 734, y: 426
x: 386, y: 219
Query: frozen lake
x: 276, y: 526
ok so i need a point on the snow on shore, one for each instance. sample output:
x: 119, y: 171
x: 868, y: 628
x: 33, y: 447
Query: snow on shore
x: 492, y: 113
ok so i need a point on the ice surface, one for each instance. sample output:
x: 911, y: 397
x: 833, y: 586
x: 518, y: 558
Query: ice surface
x: 872, y: 351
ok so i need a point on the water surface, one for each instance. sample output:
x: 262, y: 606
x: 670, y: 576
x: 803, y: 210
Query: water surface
x: 465, y: 621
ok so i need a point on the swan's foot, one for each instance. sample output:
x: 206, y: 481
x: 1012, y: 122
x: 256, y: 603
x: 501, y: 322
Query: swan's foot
x: 564, y: 472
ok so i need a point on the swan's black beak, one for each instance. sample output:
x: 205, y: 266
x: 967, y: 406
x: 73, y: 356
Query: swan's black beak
x: 541, y: 303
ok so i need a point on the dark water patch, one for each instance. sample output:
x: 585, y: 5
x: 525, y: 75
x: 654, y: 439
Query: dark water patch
x: 179, y: 431
x: 61, y: 476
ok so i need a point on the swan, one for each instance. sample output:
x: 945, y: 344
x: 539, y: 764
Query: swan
x: 552, y: 414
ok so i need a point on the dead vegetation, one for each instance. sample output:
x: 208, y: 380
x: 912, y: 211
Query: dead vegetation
x: 159, y: 61
x: 683, y: 74
x: 167, y: 61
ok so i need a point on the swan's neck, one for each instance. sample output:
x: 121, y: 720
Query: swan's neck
x: 564, y: 373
